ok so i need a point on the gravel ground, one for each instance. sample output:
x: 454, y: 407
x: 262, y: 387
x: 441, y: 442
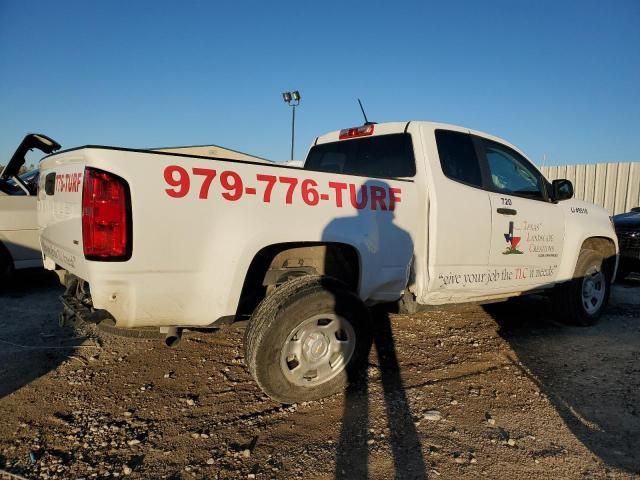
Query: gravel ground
x: 461, y: 392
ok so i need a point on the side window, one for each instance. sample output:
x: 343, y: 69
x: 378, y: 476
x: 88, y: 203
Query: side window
x: 511, y: 173
x: 458, y: 157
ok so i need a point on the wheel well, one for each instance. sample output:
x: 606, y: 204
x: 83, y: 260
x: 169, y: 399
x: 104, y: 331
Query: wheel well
x: 605, y: 247
x: 276, y: 264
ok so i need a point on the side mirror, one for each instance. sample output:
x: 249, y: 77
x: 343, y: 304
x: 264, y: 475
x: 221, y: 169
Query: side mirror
x: 561, y: 190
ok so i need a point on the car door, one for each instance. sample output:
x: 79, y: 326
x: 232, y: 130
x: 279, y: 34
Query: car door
x: 527, y: 229
x: 460, y: 218
x: 19, y: 230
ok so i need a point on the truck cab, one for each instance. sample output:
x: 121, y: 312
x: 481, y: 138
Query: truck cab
x: 493, y: 225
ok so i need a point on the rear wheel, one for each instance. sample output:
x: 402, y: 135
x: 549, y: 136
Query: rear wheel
x: 582, y: 300
x: 307, y: 339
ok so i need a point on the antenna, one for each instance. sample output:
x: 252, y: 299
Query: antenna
x: 366, y: 120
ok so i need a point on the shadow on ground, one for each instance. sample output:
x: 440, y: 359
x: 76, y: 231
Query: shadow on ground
x: 590, y: 374
x: 31, y: 343
x: 352, y: 461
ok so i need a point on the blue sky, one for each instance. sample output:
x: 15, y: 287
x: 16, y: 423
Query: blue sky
x: 554, y: 77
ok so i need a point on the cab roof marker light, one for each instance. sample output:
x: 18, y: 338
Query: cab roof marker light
x: 356, y: 132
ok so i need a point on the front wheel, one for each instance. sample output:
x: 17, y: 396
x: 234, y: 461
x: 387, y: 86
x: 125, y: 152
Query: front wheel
x: 582, y: 300
x: 307, y: 339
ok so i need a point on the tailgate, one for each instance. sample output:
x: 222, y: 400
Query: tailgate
x: 60, y: 211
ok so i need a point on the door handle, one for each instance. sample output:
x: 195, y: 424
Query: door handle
x: 506, y: 211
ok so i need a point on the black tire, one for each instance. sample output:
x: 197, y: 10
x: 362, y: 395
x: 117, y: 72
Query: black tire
x: 290, y: 307
x: 568, y: 298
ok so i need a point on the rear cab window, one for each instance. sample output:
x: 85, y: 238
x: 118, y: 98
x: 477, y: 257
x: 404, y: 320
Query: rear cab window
x: 382, y: 156
x: 458, y: 157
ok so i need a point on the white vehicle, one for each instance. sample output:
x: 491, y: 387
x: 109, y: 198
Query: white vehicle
x: 423, y: 212
x: 19, y: 238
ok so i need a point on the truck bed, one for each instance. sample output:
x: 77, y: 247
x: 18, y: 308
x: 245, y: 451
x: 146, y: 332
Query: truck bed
x: 198, y: 222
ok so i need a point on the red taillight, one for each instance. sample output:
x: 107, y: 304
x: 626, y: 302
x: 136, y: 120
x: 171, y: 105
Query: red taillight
x: 355, y: 132
x: 106, y: 233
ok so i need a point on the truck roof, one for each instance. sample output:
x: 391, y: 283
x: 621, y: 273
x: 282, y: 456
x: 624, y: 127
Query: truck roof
x: 387, y: 128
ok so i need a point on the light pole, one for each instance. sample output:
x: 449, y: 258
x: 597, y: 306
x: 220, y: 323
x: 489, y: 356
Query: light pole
x: 293, y: 100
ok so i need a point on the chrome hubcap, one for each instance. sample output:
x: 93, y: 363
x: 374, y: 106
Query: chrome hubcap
x: 317, y: 350
x: 315, y: 346
x: 593, y: 290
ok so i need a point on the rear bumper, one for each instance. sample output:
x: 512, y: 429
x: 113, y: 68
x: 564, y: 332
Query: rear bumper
x: 140, y: 301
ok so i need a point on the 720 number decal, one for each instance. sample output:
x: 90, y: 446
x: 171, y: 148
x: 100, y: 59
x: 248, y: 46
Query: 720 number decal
x: 289, y: 189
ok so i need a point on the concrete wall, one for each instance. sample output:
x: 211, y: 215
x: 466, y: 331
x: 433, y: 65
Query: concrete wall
x: 614, y: 186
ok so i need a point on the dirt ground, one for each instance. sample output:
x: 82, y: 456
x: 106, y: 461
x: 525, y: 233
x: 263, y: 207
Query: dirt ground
x: 464, y: 392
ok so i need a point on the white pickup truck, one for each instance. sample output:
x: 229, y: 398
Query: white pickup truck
x: 423, y: 212
x: 19, y: 242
